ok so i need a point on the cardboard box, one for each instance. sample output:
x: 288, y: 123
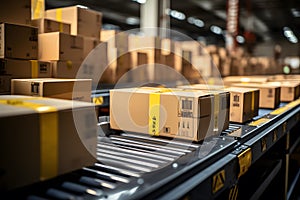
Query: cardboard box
x: 269, y: 95
x: 65, y: 69
x: 244, y: 104
x: 49, y: 25
x: 221, y: 97
x: 5, y: 83
x: 60, y: 46
x: 289, y: 90
x: 43, y: 137
x: 75, y: 89
x: 89, y: 44
x: 18, y: 41
x: 16, y: 11
x: 84, y: 21
x: 27, y: 68
x: 244, y: 79
x: 165, y: 112
x: 124, y: 64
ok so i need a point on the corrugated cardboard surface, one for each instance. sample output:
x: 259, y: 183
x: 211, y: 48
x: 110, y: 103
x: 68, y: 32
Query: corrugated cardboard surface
x: 18, y: 41
x: 130, y: 112
x: 21, y: 156
x: 60, y: 46
x: 75, y: 89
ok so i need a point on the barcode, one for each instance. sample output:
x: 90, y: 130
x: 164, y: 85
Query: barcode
x: 186, y: 104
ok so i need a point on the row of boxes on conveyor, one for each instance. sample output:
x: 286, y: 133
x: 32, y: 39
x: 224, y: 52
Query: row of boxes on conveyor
x: 194, y: 112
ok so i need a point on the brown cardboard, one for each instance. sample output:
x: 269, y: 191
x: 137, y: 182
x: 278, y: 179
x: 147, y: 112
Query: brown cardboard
x: 21, y: 144
x: 18, y: 41
x: 75, y: 89
x: 27, y: 68
x: 269, y: 95
x: 178, y: 112
x: 244, y: 103
x: 60, y: 46
x: 65, y: 69
x: 221, y: 100
x: 124, y: 64
x: 289, y: 90
x: 48, y: 25
x: 16, y: 11
x: 244, y: 79
x: 89, y: 44
x: 85, y: 22
x: 5, y: 83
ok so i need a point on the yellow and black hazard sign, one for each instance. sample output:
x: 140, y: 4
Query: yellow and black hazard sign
x: 218, y: 181
x: 98, y: 100
x: 233, y: 193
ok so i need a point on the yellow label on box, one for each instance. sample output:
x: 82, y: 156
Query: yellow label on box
x: 37, y: 9
x: 48, y: 134
x: 154, y: 113
x: 34, y: 69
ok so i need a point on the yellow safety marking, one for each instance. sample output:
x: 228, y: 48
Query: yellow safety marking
x: 245, y: 159
x: 293, y: 103
x: 284, y: 125
x: 233, y: 193
x: 259, y: 122
x: 218, y: 181
x: 275, y: 135
x: 216, y: 110
x: 37, y: 9
x: 59, y: 19
x: 34, y: 69
x: 263, y: 144
x: 48, y: 134
x: 154, y: 113
x: 286, y: 107
x: 98, y: 100
x: 279, y: 110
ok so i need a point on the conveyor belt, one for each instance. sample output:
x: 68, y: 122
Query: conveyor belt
x: 137, y: 166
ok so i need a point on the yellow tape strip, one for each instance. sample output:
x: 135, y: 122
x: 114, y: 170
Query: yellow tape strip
x: 259, y: 122
x: 252, y: 101
x: 216, y: 111
x: 37, y: 9
x: 59, y: 19
x: 154, y: 113
x: 34, y: 69
x: 48, y: 134
x: 286, y: 107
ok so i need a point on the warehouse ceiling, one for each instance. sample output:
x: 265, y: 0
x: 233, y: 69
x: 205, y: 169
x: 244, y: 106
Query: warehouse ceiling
x: 268, y: 20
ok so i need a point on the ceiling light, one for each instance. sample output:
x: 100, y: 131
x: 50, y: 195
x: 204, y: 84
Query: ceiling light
x: 140, y: 1
x: 199, y: 23
x: 177, y: 15
x: 132, y: 21
x: 191, y: 20
x: 295, y: 12
x: 240, y: 39
x: 289, y: 34
x: 216, y: 29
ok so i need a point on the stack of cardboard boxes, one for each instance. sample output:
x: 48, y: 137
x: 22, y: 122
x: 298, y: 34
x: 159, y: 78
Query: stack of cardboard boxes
x: 43, y: 56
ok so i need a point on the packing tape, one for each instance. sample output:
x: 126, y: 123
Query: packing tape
x: 48, y: 120
x: 34, y: 69
x: 252, y: 101
x: 59, y: 19
x: 154, y: 113
x: 37, y: 9
x: 216, y: 111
